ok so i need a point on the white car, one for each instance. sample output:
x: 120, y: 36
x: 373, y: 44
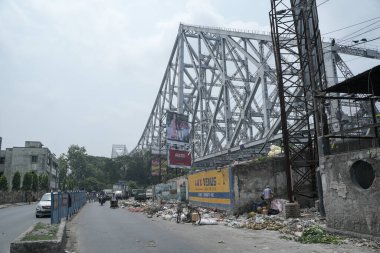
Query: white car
x: 44, y: 206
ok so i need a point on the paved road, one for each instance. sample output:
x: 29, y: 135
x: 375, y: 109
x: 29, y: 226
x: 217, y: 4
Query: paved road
x: 100, y: 229
x: 14, y: 220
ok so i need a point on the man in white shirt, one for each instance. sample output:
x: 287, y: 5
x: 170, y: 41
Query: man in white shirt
x: 267, y: 195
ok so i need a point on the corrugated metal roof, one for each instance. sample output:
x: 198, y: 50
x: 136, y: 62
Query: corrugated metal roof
x: 367, y: 82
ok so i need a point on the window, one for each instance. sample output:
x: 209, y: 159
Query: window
x: 34, y: 159
x: 2, y: 160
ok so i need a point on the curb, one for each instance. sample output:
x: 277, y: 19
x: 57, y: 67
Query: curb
x: 15, y: 204
x: 45, y: 246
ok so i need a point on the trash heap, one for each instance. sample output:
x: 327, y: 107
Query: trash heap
x: 290, y: 229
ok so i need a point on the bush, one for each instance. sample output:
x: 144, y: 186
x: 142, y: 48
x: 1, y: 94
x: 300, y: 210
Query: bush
x: 44, y: 182
x: 16, y: 181
x: 3, y: 183
x: 27, y: 181
x: 34, y: 182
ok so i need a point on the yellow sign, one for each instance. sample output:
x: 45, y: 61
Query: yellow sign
x: 210, y: 187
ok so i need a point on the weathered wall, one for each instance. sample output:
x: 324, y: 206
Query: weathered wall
x: 249, y: 180
x: 181, y: 181
x: 350, y: 207
x: 18, y: 196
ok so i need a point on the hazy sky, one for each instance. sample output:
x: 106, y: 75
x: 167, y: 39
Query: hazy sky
x: 87, y: 72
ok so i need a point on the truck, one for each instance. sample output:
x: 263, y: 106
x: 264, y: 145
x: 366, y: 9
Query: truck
x: 108, y: 193
x: 120, y: 190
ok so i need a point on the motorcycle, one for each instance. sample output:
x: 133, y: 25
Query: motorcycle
x: 102, y: 200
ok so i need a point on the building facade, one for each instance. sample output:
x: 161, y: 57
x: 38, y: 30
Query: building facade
x: 33, y: 157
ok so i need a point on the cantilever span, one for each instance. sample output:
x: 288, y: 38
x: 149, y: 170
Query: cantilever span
x: 225, y: 81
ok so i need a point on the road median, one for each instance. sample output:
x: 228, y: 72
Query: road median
x: 20, y: 245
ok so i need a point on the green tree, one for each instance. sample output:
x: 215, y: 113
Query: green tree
x: 27, y: 181
x: 139, y: 168
x: 3, y: 183
x: 122, y: 163
x: 92, y: 184
x: 34, y: 182
x: 63, y: 166
x: 132, y: 185
x: 77, y: 163
x: 16, y: 181
x: 70, y: 183
x: 44, y: 182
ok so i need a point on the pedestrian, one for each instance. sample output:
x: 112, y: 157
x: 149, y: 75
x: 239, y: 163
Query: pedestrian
x: 69, y: 211
x: 267, y: 195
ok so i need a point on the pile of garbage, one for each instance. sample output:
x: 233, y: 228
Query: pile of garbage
x: 310, y: 221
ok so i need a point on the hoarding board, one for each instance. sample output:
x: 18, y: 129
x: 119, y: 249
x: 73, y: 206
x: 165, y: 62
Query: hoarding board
x: 177, y: 127
x: 212, y: 188
x: 179, y: 158
x: 156, y: 165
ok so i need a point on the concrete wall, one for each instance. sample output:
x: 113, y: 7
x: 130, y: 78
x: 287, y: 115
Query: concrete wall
x: 19, y: 196
x: 350, y: 207
x: 249, y: 180
x: 2, y: 161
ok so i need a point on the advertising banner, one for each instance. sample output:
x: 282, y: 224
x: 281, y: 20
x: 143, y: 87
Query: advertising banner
x: 177, y: 127
x: 212, y: 188
x: 179, y: 158
x: 156, y: 165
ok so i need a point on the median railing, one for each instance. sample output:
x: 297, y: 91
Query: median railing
x: 65, y: 204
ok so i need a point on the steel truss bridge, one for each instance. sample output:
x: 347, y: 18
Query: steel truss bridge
x: 225, y: 81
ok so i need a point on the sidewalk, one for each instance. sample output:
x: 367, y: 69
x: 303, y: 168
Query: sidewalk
x: 16, y: 204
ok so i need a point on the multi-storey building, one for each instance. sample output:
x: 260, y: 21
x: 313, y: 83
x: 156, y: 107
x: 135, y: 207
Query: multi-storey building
x: 33, y: 157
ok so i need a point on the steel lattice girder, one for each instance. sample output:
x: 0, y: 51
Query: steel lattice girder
x: 226, y: 82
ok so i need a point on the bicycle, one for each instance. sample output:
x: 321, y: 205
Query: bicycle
x: 187, y: 210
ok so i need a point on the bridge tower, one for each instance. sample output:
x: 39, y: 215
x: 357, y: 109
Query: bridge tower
x: 118, y: 150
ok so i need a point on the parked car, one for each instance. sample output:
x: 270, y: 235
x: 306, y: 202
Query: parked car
x: 43, y: 207
x: 133, y: 192
x: 140, y: 194
x: 149, y: 193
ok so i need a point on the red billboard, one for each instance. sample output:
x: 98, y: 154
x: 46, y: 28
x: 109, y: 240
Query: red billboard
x: 179, y: 158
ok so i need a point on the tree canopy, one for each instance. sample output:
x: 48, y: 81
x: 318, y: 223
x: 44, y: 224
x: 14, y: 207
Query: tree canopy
x: 44, y: 182
x: 27, y: 181
x: 78, y: 170
x: 16, y: 181
x: 34, y: 182
x: 3, y: 183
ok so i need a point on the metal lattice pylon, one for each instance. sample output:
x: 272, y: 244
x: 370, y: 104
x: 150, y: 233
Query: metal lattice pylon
x: 296, y: 36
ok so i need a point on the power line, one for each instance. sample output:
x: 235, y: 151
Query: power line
x: 351, y: 25
x: 364, y: 42
x: 359, y: 30
x: 349, y: 38
x: 322, y: 3
x: 351, y: 45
